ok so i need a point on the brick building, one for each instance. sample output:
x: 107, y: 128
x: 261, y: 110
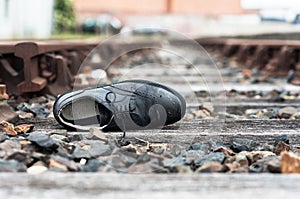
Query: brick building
x: 212, y: 8
x: 178, y: 15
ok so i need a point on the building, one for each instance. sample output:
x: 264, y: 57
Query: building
x: 211, y: 8
x: 26, y: 19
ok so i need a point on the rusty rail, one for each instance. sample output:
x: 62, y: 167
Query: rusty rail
x: 51, y: 65
x: 275, y: 58
x: 21, y: 63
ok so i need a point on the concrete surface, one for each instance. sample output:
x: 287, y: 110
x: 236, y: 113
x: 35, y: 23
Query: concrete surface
x: 101, y: 185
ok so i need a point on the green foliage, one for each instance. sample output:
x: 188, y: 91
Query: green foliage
x: 64, y: 16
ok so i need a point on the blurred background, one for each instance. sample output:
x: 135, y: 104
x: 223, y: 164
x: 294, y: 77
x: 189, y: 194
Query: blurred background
x: 71, y: 18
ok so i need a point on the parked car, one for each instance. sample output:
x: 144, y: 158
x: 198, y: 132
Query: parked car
x: 103, y: 24
x: 273, y: 15
x: 148, y: 32
x: 281, y: 15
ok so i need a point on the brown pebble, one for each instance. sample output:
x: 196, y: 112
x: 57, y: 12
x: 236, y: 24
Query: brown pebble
x: 55, y: 164
x: 253, y: 156
x: 3, y: 94
x: 247, y: 73
x: 98, y: 134
x: 290, y: 163
x: 7, y: 128
x: 227, y: 152
x: 24, y: 115
x: 210, y: 167
x: 281, y: 147
x: 24, y: 128
x: 25, y: 143
x: 203, y: 113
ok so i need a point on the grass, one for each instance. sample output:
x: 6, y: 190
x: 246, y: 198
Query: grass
x: 72, y: 36
x: 86, y: 36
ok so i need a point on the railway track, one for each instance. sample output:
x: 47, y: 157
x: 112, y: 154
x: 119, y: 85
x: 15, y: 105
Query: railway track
x: 51, y: 66
x: 48, y: 66
x: 33, y: 66
x: 276, y: 58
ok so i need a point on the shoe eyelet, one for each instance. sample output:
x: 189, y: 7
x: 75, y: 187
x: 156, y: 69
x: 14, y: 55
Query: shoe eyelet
x: 110, y: 97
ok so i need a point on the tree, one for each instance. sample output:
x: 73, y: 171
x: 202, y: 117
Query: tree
x: 64, y: 16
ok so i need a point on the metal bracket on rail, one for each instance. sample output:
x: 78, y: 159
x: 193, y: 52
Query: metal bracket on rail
x: 28, y: 52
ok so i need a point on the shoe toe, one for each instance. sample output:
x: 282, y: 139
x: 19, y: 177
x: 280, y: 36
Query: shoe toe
x: 173, y: 105
x: 156, y: 104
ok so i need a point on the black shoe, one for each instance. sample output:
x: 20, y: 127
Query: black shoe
x: 123, y: 106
